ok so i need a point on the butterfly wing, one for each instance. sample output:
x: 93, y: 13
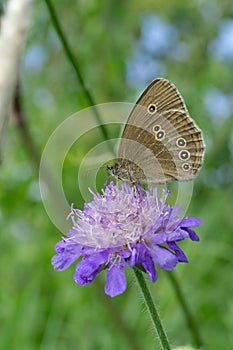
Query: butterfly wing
x: 160, y: 137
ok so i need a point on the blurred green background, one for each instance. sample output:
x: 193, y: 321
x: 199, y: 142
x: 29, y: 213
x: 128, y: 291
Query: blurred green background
x: 120, y: 46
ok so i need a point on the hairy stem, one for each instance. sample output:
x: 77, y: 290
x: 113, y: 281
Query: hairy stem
x: 148, y: 300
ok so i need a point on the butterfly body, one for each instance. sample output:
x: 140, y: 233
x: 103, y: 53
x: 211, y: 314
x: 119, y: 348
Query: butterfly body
x: 160, y: 141
x: 128, y: 171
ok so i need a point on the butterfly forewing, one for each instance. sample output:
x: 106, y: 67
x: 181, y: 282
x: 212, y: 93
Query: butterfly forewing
x: 164, y: 95
x: 160, y: 137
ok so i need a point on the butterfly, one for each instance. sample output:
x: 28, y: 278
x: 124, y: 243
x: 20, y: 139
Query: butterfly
x: 160, y: 141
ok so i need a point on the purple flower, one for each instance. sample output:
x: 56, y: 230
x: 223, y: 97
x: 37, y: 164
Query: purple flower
x: 122, y: 228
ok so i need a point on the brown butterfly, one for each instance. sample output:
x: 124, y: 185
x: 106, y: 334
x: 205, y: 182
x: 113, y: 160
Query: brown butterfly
x: 160, y: 141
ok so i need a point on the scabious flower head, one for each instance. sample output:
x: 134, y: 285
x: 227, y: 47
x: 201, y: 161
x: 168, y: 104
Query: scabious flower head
x: 124, y: 227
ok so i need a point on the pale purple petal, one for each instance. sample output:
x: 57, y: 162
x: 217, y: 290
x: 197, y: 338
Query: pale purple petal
x: 134, y: 257
x: 67, y: 252
x: 149, y: 266
x: 141, y: 255
x: 177, y: 235
x: 191, y: 222
x: 159, y: 238
x: 115, y: 281
x: 89, y: 267
x: 163, y: 258
x: 86, y: 272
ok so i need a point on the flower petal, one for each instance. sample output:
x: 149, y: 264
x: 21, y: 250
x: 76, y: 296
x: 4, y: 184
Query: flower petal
x: 163, y: 258
x: 192, y: 235
x: 191, y: 222
x: 159, y: 238
x: 134, y: 257
x: 149, y: 266
x: 178, y: 251
x: 115, y: 281
x: 67, y: 252
x: 89, y: 267
x: 177, y: 235
x: 141, y: 255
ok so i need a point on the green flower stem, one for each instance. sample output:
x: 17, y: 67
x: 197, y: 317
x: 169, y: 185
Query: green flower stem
x: 192, y: 325
x: 148, y: 300
x: 74, y: 63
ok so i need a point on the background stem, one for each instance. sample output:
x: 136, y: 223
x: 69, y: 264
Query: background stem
x: 191, y: 323
x: 73, y: 61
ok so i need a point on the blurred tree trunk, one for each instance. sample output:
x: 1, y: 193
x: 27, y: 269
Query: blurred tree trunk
x: 13, y: 30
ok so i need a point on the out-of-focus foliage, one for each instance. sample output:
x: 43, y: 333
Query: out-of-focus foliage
x: 120, y: 47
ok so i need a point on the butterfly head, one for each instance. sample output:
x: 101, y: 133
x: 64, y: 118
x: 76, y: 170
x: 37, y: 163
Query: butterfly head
x: 113, y: 171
